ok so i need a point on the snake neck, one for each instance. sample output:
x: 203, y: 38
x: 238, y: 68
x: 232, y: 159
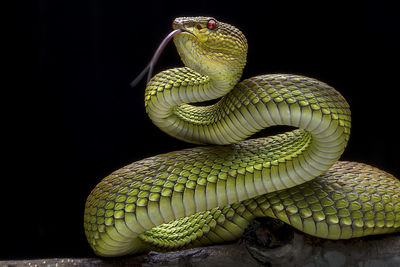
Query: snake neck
x: 169, y: 93
x: 223, y: 69
x: 214, y: 67
x: 214, y: 64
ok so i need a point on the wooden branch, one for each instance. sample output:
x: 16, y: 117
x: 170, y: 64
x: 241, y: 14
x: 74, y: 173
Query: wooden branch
x: 263, y: 244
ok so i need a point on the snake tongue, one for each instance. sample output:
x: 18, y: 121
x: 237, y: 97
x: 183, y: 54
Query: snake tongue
x: 153, y: 61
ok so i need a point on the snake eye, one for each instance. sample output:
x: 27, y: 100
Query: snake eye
x: 211, y: 24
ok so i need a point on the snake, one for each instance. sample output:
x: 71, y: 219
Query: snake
x: 210, y: 193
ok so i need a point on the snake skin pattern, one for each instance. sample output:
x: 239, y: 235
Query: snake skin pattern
x: 209, y: 194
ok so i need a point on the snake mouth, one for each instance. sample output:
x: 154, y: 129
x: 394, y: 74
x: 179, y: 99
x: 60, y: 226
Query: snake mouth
x: 149, y: 68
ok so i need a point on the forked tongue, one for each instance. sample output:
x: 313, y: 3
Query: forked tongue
x: 153, y: 61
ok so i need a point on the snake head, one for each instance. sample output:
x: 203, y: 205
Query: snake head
x: 211, y: 47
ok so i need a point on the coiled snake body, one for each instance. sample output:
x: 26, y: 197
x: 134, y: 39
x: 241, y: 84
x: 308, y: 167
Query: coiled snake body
x: 209, y: 194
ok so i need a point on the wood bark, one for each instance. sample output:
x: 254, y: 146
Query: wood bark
x: 265, y: 243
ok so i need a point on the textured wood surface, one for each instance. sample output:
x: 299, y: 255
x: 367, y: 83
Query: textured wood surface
x: 265, y: 243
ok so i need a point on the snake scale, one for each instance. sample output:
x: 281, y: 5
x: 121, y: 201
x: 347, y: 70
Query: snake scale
x: 209, y: 194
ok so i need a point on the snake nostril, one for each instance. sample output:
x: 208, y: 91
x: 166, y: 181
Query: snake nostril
x: 175, y: 24
x: 178, y: 23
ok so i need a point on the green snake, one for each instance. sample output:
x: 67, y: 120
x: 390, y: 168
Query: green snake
x: 209, y: 194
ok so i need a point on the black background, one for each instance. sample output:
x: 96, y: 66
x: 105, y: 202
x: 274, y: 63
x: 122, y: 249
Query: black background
x: 71, y: 118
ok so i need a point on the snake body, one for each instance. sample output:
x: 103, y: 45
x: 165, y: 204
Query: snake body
x: 209, y: 194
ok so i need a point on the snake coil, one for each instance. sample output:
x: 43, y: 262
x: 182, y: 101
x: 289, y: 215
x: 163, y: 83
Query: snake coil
x: 209, y: 194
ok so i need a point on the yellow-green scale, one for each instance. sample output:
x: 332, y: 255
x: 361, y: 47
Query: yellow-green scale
x: 247, y: 169
x: 314, y: 207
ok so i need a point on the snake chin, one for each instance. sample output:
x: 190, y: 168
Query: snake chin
x: 187, y: 51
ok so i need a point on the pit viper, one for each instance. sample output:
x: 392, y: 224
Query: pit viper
x: 209, y: 194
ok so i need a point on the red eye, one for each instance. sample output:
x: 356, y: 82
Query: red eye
x: 211, y: 24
